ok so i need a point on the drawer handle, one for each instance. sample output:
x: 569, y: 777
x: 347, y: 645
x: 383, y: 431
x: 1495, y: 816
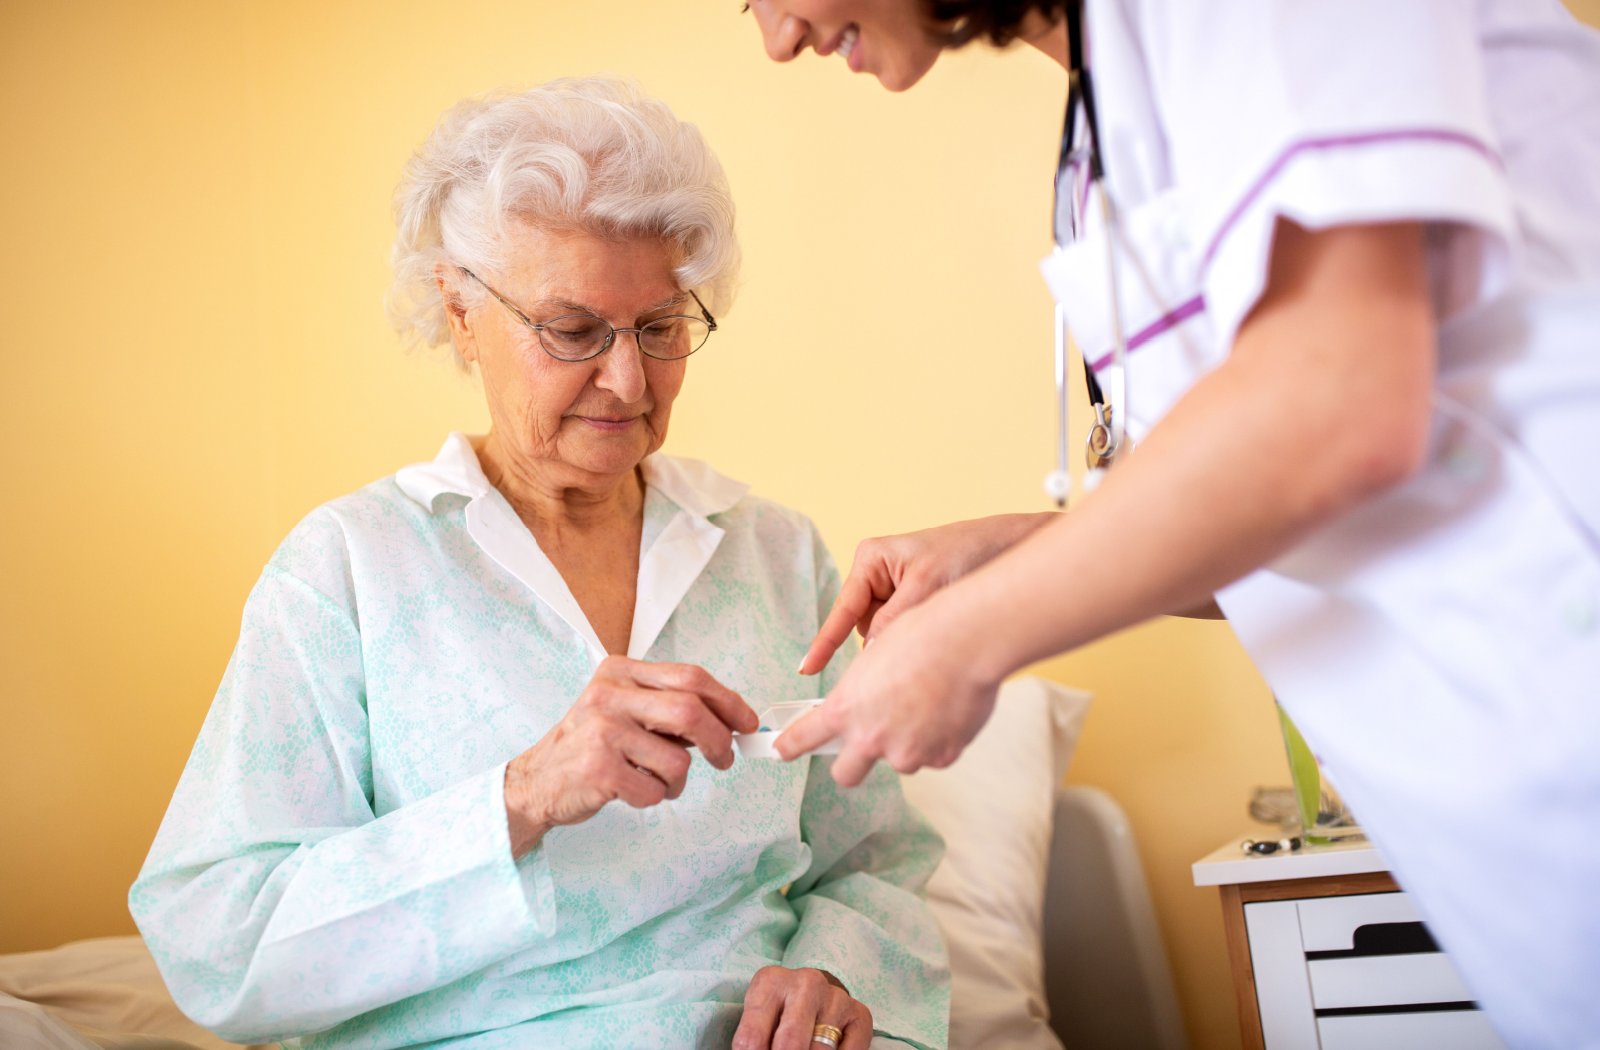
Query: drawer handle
x: 1385, y: 938
x: 1407, y: 1008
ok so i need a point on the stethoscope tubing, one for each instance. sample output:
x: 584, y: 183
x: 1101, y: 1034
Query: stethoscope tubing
x: 1107, y: 433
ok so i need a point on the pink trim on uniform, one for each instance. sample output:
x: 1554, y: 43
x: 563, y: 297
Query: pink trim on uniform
x: 1170, y: 320
x: 1166, y: 322
x: 1333, y: 142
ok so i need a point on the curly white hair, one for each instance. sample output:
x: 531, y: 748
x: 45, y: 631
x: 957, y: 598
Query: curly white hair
x: 591, y: 153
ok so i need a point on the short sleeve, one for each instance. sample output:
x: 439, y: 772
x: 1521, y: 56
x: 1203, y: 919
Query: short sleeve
x: 1326, y: 114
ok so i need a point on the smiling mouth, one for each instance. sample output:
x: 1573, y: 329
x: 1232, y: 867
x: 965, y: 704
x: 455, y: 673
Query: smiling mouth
x: 847, y: 41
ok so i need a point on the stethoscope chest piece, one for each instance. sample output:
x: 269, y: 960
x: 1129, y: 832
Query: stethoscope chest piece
x: 1100, y: 444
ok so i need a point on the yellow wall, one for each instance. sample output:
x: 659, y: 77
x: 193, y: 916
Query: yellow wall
x: 192, y: 259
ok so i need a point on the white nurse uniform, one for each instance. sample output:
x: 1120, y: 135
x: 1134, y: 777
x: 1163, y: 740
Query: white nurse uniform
x: 1440, y: 646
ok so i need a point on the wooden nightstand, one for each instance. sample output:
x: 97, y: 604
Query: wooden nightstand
x: 1328, y: 953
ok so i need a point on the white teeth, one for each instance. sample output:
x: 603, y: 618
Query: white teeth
x: 847, y: 42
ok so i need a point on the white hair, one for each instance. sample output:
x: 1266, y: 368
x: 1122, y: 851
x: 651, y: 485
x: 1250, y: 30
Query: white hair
x: 593, y: 154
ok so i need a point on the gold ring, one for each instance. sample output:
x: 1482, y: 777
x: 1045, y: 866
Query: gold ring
x: 826, y: 1034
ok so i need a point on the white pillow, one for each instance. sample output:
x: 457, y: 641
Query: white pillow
x: 994, y: 806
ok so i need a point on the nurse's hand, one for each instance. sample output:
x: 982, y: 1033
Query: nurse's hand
x: 627, y: 737
x: 894, y: 573
x: 783, y: 1007
x: 914, y: 698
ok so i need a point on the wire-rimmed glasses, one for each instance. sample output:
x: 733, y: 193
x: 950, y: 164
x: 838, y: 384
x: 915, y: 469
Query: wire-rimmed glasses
x: 578, y: 337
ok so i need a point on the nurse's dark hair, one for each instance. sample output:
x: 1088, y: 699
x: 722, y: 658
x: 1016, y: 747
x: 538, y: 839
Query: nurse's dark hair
x: 997, y: 21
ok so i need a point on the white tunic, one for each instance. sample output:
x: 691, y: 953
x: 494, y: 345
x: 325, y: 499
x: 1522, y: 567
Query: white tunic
x: 1439, y: 647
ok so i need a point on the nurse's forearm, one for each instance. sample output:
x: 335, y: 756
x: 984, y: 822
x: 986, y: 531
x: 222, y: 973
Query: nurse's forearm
x: 1323, y: 403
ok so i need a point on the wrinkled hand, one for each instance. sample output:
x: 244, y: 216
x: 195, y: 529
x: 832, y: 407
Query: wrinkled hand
x: 914, y: 698
x: 627, y: 737
x: 783, y: 1006
x: 894, y: 573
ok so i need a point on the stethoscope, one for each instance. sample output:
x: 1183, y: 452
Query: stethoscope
x: 1108, y: 398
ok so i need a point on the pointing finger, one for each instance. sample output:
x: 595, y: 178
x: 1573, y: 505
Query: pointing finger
x: 855, y: 599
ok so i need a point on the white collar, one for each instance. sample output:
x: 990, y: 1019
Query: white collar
x: 690, y: 483
x: 666, y: 571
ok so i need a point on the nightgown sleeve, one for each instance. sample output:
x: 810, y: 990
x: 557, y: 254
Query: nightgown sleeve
x: 275, y: 899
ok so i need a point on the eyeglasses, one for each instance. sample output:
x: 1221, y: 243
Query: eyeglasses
x: 578, y: 337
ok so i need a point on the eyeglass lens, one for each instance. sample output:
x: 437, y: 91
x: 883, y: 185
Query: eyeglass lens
x: 580, y: 336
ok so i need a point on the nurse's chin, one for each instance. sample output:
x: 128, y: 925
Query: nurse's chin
x: 902, y: 72
x: 899, y: 80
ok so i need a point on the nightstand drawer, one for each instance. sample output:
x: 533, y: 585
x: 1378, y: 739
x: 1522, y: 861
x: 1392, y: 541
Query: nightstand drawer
x: 1384, y: 980
x: 1449, y: 1030
x: 1329, y: 924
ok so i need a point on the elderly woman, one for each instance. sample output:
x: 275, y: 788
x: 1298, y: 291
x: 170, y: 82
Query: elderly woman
x: 400, y: 824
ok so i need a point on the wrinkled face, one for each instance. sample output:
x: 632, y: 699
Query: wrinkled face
x: 577, y: 422
x: 891, y: 39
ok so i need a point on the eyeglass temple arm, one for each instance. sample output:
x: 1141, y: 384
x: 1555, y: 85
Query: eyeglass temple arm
x: 711, y: 322
x: 507, y: 303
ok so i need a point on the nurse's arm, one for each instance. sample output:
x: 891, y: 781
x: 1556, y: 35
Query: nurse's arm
x: 1323, y: 403
x: 891, y: 574
x: 1315, y: 281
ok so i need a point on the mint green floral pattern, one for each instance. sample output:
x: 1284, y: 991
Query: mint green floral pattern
x: 335, y: 867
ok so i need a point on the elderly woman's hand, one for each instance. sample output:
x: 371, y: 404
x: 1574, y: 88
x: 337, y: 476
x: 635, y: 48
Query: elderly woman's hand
x: 628, y: 738
x: 783, y: 1008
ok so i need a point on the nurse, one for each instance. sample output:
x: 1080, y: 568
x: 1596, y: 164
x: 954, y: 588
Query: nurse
x: 1337, y: 269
